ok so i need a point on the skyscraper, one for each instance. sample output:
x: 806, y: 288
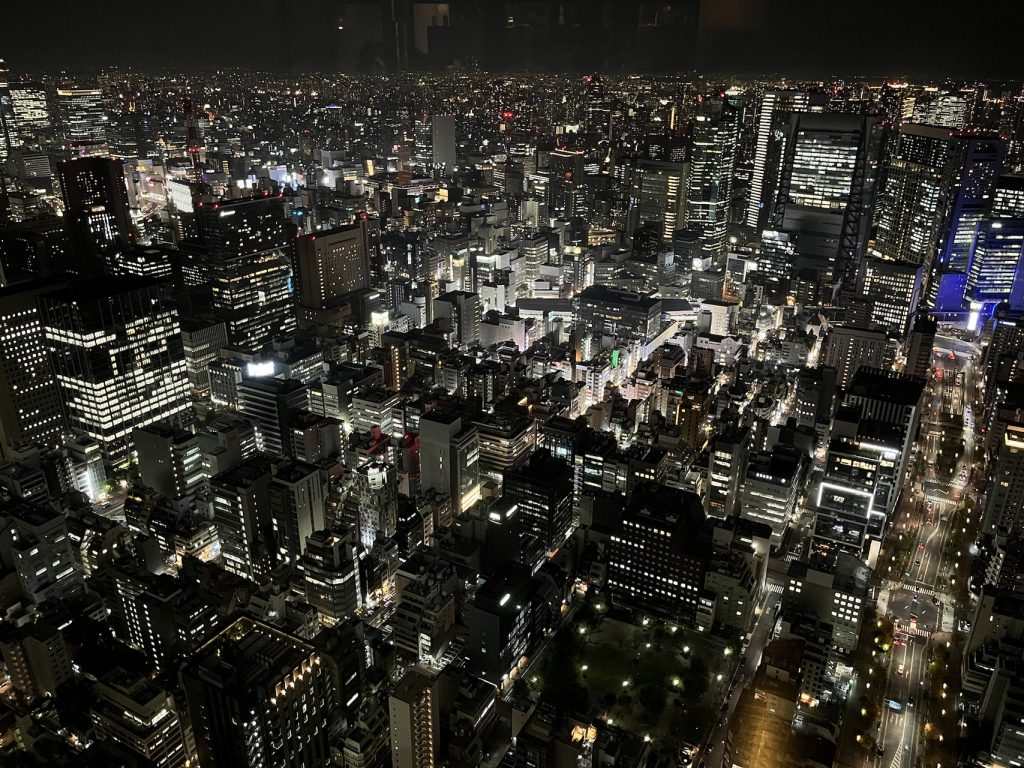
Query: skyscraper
x: 826, y: 191
x: 975, y: 174
x: 1004, y: 510
x: 116, y: 348
x: 331, y: 265
x: 994, y: 269
x: 248, y: 248
x: 30, y: 407
x: 916, y: 196
x: 565, y: 168
x: 543, y: 490
x: 658, y: 195
x: 96, y: 203
x: 258, y: 697
x: 709, y: 184
x: 772, y: 110
x: 82, y: 115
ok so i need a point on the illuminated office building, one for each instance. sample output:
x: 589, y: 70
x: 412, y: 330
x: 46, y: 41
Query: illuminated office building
x: 116, y: 348
x: 30, y: 109
x: 994, y: 270
x: 976, y: 171
x: 914, y: 203
x: 709, y: 183
x: 1004, y: 510
x: 893, y: 289
x: 331, y: 265
x: 96, y: 203
x: 658, y: 195
x: 81, y: 115
x: 772, y: 110
x: 248, y: 248
x: 826, y: 193
x: 30, y: 407
x: 258, y: 697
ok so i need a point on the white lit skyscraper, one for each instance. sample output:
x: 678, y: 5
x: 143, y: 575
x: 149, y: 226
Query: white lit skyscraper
x: 773, y: 108
x: 709, y: 185
x: 116, y: 348
x: 916, y: 195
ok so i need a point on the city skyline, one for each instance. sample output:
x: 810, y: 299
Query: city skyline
x: 484, y: 384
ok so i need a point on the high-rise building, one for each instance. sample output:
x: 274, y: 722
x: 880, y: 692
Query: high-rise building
x: 450, y: 458
x: 137, y: 714
x: 170, y: 459
x: 247, y: 248
x: 331, y: 578
x: 116, y: 349
x: 96, y: 204
x: 462, y: 312
x: 914, y: 202
x: 30, y: 407
x: 271, y: 403
x: 82, y: 116
x: 847, y: 517
x: 893, y: 289
x: 994, y: 273
x: 202, y: 340
x: 36, y: 659
x: 848, y: 348
x: 618, y: 313
x: 244, y: 519
x: 332, y: 264
x: 658, y: 195
x: 543, y: 490
x: 415, y: 721
x: 444, y: 141
x: 773, y: 108
x: 1004, y: 510
x: 709, y: 183
x: 727, y: 463
x: 656, y: 561
x: 376, y: 491
x: 975, y: 175
x: 826, y: 191
x: 565, y: 169
x: 30, y: 110
x: 258, y: 697
x: 770, y: 488
x: 297, y: 505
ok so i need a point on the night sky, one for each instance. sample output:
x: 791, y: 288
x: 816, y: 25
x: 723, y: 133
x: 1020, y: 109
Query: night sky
x: 980, y: 38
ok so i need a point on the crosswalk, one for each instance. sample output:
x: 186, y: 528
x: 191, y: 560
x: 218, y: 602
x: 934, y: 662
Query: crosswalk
x: 773, y: 589
x: 897, y: 758
x: 906, y: 629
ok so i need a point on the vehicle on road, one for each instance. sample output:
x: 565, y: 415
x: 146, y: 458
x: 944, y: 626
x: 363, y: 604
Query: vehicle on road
x: 917, y: 562
x: 900, y: 670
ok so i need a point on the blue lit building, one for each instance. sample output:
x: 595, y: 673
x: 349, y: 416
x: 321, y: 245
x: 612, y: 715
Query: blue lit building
x: 994, y: 267
x: 973, y: 190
